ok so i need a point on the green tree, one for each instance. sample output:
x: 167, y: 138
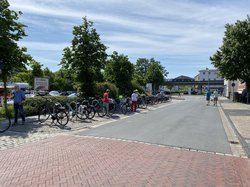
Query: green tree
x: 51, y: 76
x: 23, y: 76
x: 63, y: 80
x: 86, y: 57
x: 28, y: 75
x: 119, y: 70
x: 12, y: 57
x: 36, y: 69
x: 233, y: 57
x: 154, y: 75
x: 141, y: 68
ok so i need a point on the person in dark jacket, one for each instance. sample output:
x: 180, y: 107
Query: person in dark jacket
x: 19, y: 98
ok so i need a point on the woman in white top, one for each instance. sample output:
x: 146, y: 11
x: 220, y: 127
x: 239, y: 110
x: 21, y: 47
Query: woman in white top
x: 216, y: 95
x: 134, y: 98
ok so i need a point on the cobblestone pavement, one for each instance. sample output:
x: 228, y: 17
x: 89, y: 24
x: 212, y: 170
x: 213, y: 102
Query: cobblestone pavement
x: 34, y: 131
x: 50, y: 155
x: 86, y: 161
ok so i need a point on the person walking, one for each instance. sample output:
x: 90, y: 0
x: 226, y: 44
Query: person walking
x: 134, y: 98
x: 216, y: 95
x: 19, y: 98
x: 105, y: 100
x: 208, y: 95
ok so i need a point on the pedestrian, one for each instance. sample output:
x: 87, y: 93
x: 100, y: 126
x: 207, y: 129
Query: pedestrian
x: 208, y: 95
x: 244, y: 96
x: 19, y: 98
x: 216, y: 95
x: 105, y: 100
x: 134, y: 98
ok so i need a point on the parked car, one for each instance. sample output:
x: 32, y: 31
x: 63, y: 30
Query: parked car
x: 29, y: 95
x: 73, y: 95
x: 54, y: 93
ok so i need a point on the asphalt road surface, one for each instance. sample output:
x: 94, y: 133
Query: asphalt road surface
x: 187, y: 124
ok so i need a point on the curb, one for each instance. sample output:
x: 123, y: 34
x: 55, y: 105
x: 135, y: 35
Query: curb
x: 237, y: 144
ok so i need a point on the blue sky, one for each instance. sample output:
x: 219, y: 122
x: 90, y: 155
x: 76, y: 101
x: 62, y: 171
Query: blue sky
x: 181, y: 34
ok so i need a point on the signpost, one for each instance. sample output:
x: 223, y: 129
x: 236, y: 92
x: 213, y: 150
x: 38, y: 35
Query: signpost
x: 41, y: 84
x: 233, y: 85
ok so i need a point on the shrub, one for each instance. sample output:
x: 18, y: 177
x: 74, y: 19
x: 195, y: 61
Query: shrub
x: 9, y: 108
x: 101, y: 88
x: 137, y: 86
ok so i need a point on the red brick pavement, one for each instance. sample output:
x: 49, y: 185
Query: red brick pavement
x: 82, y: 161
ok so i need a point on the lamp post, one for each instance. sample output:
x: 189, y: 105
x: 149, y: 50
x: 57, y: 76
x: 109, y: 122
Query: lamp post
x: 207, y: 78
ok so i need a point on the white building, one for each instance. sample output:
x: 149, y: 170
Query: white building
x: 211, y: 78
x: 209, y: 75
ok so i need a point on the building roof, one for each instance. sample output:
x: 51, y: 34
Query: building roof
x: 184, y: 77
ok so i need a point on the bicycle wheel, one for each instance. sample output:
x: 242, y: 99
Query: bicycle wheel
x: 62, y: 118
x: 91, y: 112
x: 123, y: 108
x: 5, y: 123
x: 101, y: 111
x: 143, y: 105
x: 43, y: 115
x: 82, y: 112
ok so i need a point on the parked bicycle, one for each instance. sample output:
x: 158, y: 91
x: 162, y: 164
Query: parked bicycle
x: 76, y: 110
x: 89, y: 108
x: 141, y: 102
x: 99, y: 108
x: 54, y: 111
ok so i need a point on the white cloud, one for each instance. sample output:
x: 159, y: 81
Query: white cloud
x: 136, y: 28
x: 43, y: 46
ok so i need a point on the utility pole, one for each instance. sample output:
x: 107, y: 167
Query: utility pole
x: 208, y: 78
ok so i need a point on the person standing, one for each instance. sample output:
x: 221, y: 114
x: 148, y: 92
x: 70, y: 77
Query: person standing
x: 105, y: 100
x: 208, y: 95
x: 216, y: 95
x: 134, y: 98
x: 19, y: 98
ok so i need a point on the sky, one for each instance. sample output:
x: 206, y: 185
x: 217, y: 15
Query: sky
x: 181, y: 34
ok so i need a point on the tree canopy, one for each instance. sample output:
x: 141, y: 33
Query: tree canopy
x: 12, y: 57
x: 119, y: 70
x: 86, y: 57
x: 154, y: 75
x: 149, y: 71
x: 233, y: 57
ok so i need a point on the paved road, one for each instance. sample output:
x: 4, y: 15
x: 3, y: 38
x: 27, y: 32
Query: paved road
x: 70, y: 160
x: 188, y: 124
